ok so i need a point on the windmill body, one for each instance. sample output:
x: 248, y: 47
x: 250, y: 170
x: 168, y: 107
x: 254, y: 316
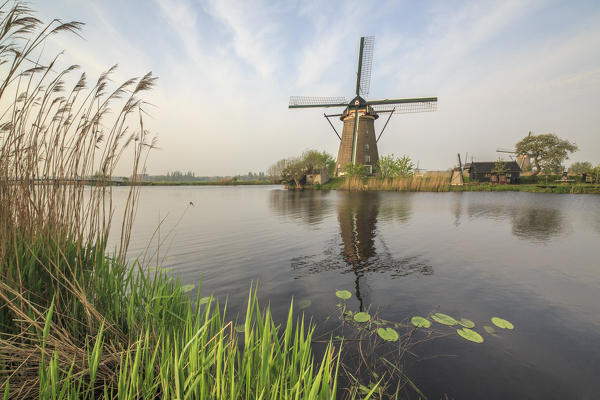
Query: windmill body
x: 358, y: 143
x: 364, y: 141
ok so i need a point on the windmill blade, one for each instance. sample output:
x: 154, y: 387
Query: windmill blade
x: 404, y: 106
x: 310, y: 102
x: 505, y: 150
x: 365, y: 63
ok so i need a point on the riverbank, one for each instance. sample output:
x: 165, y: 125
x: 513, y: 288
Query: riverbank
x: 442, y: 184
x: 77, y: 324
x: 223, y: 182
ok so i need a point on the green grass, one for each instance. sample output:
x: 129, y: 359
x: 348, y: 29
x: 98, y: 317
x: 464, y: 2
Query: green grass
x: 332, y: 184
x: 75, y: 323
x: 84, y: 326
x: 537, y: 188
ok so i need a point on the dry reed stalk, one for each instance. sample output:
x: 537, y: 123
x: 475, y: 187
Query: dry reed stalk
x: 436, y: 183
x: 53, y: 138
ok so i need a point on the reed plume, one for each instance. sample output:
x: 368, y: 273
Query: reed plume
x: 74, y: 321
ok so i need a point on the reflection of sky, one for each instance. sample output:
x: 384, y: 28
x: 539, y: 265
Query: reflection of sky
x: 490, y: 253
x: 357, y: 247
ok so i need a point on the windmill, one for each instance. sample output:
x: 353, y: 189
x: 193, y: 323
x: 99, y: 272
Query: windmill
x: 358, y: 143
x: 457, y: 174
x: 522, y: 159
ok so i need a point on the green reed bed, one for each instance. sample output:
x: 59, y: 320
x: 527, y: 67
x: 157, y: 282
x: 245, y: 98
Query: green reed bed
x: 124, y: 333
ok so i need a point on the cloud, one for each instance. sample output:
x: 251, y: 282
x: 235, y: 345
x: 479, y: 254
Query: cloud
x: 227, y: 69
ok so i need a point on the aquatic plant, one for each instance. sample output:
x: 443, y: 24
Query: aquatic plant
x: 489, y: 329
x: 444, y: 319
x: 502, y: 323
x: 362, y: 317
x: 304, y: 304
x: 366, y: 334
x: 420, y: 322
x: 467, y: 323
x: 343, y: 294
x: 388, y: 334
x: 470, y: 334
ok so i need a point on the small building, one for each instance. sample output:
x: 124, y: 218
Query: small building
x: 482, y: 171
x: 318, y: 179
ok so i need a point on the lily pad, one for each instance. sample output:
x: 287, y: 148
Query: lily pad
x: 204, y: 300
x: 343, y: 294
x: 188, y: 288
x: 388, y: 334
x: 304, y: 304
x: 489, y: 329
x: 467, y: 323
x: 420, y: 322
x: 470, y: 334
x: 502, y: 323
x: 444, y: 319
x: 362, y: 317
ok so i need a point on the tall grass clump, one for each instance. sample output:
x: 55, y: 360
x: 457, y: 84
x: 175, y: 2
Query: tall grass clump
x: 75, y: 322
x: 438, y: 183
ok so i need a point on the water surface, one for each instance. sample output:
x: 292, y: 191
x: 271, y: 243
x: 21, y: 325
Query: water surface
x: 530, y: 258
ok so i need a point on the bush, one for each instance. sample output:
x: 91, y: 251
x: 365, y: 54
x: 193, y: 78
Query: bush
x: 391, y: 167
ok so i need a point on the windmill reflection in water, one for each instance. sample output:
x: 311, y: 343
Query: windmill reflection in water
x: 359, y: 251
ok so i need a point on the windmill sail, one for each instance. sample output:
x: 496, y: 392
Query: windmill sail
x: 312, y: 101
x: 404, y: 106
x: 358, y: 142
x: 365, y: 63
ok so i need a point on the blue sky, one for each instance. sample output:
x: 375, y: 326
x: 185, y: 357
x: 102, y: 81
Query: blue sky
x: 226, y: 70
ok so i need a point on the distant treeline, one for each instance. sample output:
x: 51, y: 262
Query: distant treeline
x: 178, y: 176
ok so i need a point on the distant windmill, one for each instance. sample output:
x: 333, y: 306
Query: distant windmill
x: 417, y: 169
x: 457, y: 174
x: 358, y: 144
x: 522, y: 159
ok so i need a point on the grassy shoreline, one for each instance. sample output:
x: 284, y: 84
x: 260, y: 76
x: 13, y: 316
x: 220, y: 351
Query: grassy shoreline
x: 435, y: 184
x: 85, y: 326
x: 78, y: 323
x: 207, y: 183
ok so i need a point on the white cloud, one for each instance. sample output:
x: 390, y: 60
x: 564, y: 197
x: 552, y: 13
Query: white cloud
x: 227, y: 69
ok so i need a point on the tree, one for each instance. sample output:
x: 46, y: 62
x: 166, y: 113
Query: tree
x: 391, y: 167
x: 499, y: 167
x: 581, y: 167
x: 596, y: 173
x: 311, y: 162
x: 295, y: 170
x: 315, y: 161
x: 547, y: 151
x: 405, y: 166
x: 275, y: 171
x: 354, y: 170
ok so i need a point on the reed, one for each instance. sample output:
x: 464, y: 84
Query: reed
x: 75, y: 322
x: 438, y: 183
x: 145, y: 338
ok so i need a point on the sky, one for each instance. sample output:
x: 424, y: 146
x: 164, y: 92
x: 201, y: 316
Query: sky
x: 226, y: 71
